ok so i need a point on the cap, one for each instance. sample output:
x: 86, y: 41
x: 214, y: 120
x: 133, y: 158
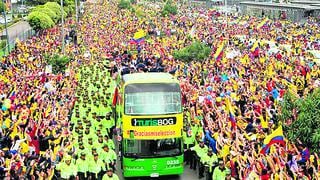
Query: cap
x: 83, y: 154
x: 210, y: 150
x: 105, y: 145
x: 67, y: 158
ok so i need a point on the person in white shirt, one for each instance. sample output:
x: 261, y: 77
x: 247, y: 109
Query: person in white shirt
x: 15, y: 147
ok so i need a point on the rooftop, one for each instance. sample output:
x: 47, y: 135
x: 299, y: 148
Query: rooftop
x: 151, y: 77
x: 305, y: 2
x: 281, y: 5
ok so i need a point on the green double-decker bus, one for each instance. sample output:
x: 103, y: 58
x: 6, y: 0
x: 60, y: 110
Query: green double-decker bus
x: 151, y: 125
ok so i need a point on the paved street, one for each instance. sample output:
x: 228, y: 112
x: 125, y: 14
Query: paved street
x: 18, y: 28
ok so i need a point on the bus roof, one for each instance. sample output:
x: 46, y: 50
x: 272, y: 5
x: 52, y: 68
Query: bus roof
x: 149, y: 77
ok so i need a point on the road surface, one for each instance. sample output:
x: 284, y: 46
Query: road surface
x: 15, y: 30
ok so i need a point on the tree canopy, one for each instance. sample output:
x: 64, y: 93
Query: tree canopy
x: 47, y: 15
x: 124, y: 4
x: 196, y: 51
x: 305, y: 125
x: 58, y: 63
x: 169, y: 8
x: 39, y: 20
x: 2, y: 7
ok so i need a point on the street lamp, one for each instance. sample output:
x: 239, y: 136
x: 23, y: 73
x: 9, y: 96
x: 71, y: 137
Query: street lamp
x: 62, y: 26
x: 76, y: 4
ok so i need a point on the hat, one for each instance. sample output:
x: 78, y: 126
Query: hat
x: 83, y: 154
x: 105, y: 145
x: 210, y: 150
x: 67, y: 158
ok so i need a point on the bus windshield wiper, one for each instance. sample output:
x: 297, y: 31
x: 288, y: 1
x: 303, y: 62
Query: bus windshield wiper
x: 135, y: 157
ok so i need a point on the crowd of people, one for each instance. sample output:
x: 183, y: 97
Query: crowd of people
x: 60, y: 126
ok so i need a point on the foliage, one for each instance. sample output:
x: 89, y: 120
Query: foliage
x: 287, y: 106
x: 169, y: 8
x: 39, y: 21
x: 196, y: 51
x: 124, y: 4
x: 3, y: 44
x: 139, y: 12
x: 56, y: 8
x: 2, y: 7
x: 306, y: 127
x: 41, y: 2
x: 58, y: 63
x: 48, y: 11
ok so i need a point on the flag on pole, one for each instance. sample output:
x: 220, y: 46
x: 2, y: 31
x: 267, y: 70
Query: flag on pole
x: 115, y: 97
x: 230, y: 110
x: 219, y: 53
x: 263, y: 23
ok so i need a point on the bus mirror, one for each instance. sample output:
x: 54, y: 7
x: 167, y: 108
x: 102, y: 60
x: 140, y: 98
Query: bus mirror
x: 131, y: 134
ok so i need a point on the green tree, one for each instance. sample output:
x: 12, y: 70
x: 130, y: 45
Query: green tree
x: 2, y: 7
x: 39, y: 21
x: 58, y: 63
x: 48, y: 11
x: 306, y: 126
x: 197, y: 51
x: 56, y: 8
x: 169, y: 8
x: 124, y: 4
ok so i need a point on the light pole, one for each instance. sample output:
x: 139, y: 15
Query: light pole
x: 76, y: 4
x: 6, y: 25
x: 62, y: 26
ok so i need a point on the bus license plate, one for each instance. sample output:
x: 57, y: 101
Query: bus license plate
x: 154, y: 175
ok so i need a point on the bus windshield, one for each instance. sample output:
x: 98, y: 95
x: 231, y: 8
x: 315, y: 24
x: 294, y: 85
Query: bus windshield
x: 152, y: 148
x: 152, y: 99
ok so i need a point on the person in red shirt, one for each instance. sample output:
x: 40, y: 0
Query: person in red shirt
x: 264, y: 175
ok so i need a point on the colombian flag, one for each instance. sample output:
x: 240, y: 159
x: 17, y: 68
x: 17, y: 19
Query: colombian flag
x: 231, y: 114
x: 218, y: 54
x: 275, y: 137
x: 263, y: 23
x: 255, y: 48
x: 139, y: 34
x: 138, y: 37
x: 137, y: 41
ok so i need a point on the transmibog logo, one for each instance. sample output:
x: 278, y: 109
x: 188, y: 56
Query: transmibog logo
x: 153, y: 121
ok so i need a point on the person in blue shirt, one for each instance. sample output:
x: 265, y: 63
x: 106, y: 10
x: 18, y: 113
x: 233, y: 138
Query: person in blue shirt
x: 212, y: 142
